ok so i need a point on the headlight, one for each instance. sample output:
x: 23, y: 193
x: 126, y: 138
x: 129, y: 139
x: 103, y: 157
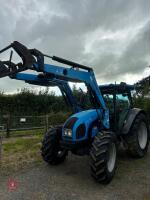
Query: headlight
x: 68, y: 132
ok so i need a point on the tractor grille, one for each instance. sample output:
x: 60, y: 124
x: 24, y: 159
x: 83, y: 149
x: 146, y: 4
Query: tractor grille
x: 70, y: 123
x: 80, y: 131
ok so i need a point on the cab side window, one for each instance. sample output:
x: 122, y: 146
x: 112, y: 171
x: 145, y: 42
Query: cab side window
x: 122, y: 102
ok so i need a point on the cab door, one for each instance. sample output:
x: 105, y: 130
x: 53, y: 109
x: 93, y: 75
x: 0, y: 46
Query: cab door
x: 122, y: 107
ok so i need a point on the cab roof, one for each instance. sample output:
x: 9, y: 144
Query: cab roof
x: 116, y: 88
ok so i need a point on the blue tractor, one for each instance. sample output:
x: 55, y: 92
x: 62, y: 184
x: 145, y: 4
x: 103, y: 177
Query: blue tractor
x: 96, y: 131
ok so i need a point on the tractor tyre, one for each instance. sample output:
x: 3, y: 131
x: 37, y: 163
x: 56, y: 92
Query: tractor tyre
x: 103, y: 157
x: 51, y: 150
x: 138, y: 138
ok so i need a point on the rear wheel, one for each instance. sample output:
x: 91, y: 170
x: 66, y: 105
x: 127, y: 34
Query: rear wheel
x: 138, y: 137
x: 103, y: 157
x: 51, y: 150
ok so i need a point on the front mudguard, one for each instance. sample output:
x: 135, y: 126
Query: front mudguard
x: 132, y: 114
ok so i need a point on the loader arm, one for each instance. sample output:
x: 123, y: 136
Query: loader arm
x: 41, y: 80
x: 34, y: 59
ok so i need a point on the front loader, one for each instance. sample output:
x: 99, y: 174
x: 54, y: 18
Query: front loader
x: 42, y: 80
x: 96, y: 131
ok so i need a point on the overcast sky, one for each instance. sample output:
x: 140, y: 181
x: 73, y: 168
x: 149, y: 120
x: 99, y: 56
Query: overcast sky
x: 112, y: 36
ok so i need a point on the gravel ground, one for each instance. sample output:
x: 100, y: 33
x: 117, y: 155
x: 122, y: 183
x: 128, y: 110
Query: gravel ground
x: 72, y: 181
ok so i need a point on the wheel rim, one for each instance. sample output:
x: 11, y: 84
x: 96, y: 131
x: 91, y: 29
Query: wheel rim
x: 142, y: 135
x: 60, y: 153
x: 111, y: 157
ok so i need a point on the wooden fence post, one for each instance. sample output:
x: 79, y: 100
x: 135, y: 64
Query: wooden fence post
x: 8, y: 126
x: 47, y: 123
x: 1, y: 138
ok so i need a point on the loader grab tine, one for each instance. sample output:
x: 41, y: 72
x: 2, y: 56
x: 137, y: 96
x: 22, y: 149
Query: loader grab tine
x: 3, y: 69
x: 7, y: 67
x: 6, y: 48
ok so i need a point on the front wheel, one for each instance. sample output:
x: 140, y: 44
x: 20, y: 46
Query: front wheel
x: 51, y: 150
x: 138, y: 138
x: 103, y: 156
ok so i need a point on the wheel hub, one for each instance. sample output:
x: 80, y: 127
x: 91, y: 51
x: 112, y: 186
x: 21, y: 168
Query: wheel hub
x: 61, y: 152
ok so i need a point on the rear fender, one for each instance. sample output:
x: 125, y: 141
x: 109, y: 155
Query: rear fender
x: 132, y: 114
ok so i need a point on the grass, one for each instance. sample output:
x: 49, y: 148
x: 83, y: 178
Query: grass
x: 26, y: 133
x: 22, y: 145
x: 147, y: 197
x: 19, y: 152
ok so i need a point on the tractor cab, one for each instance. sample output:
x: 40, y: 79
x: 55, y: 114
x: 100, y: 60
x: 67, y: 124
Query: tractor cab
x: 118, y: 98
